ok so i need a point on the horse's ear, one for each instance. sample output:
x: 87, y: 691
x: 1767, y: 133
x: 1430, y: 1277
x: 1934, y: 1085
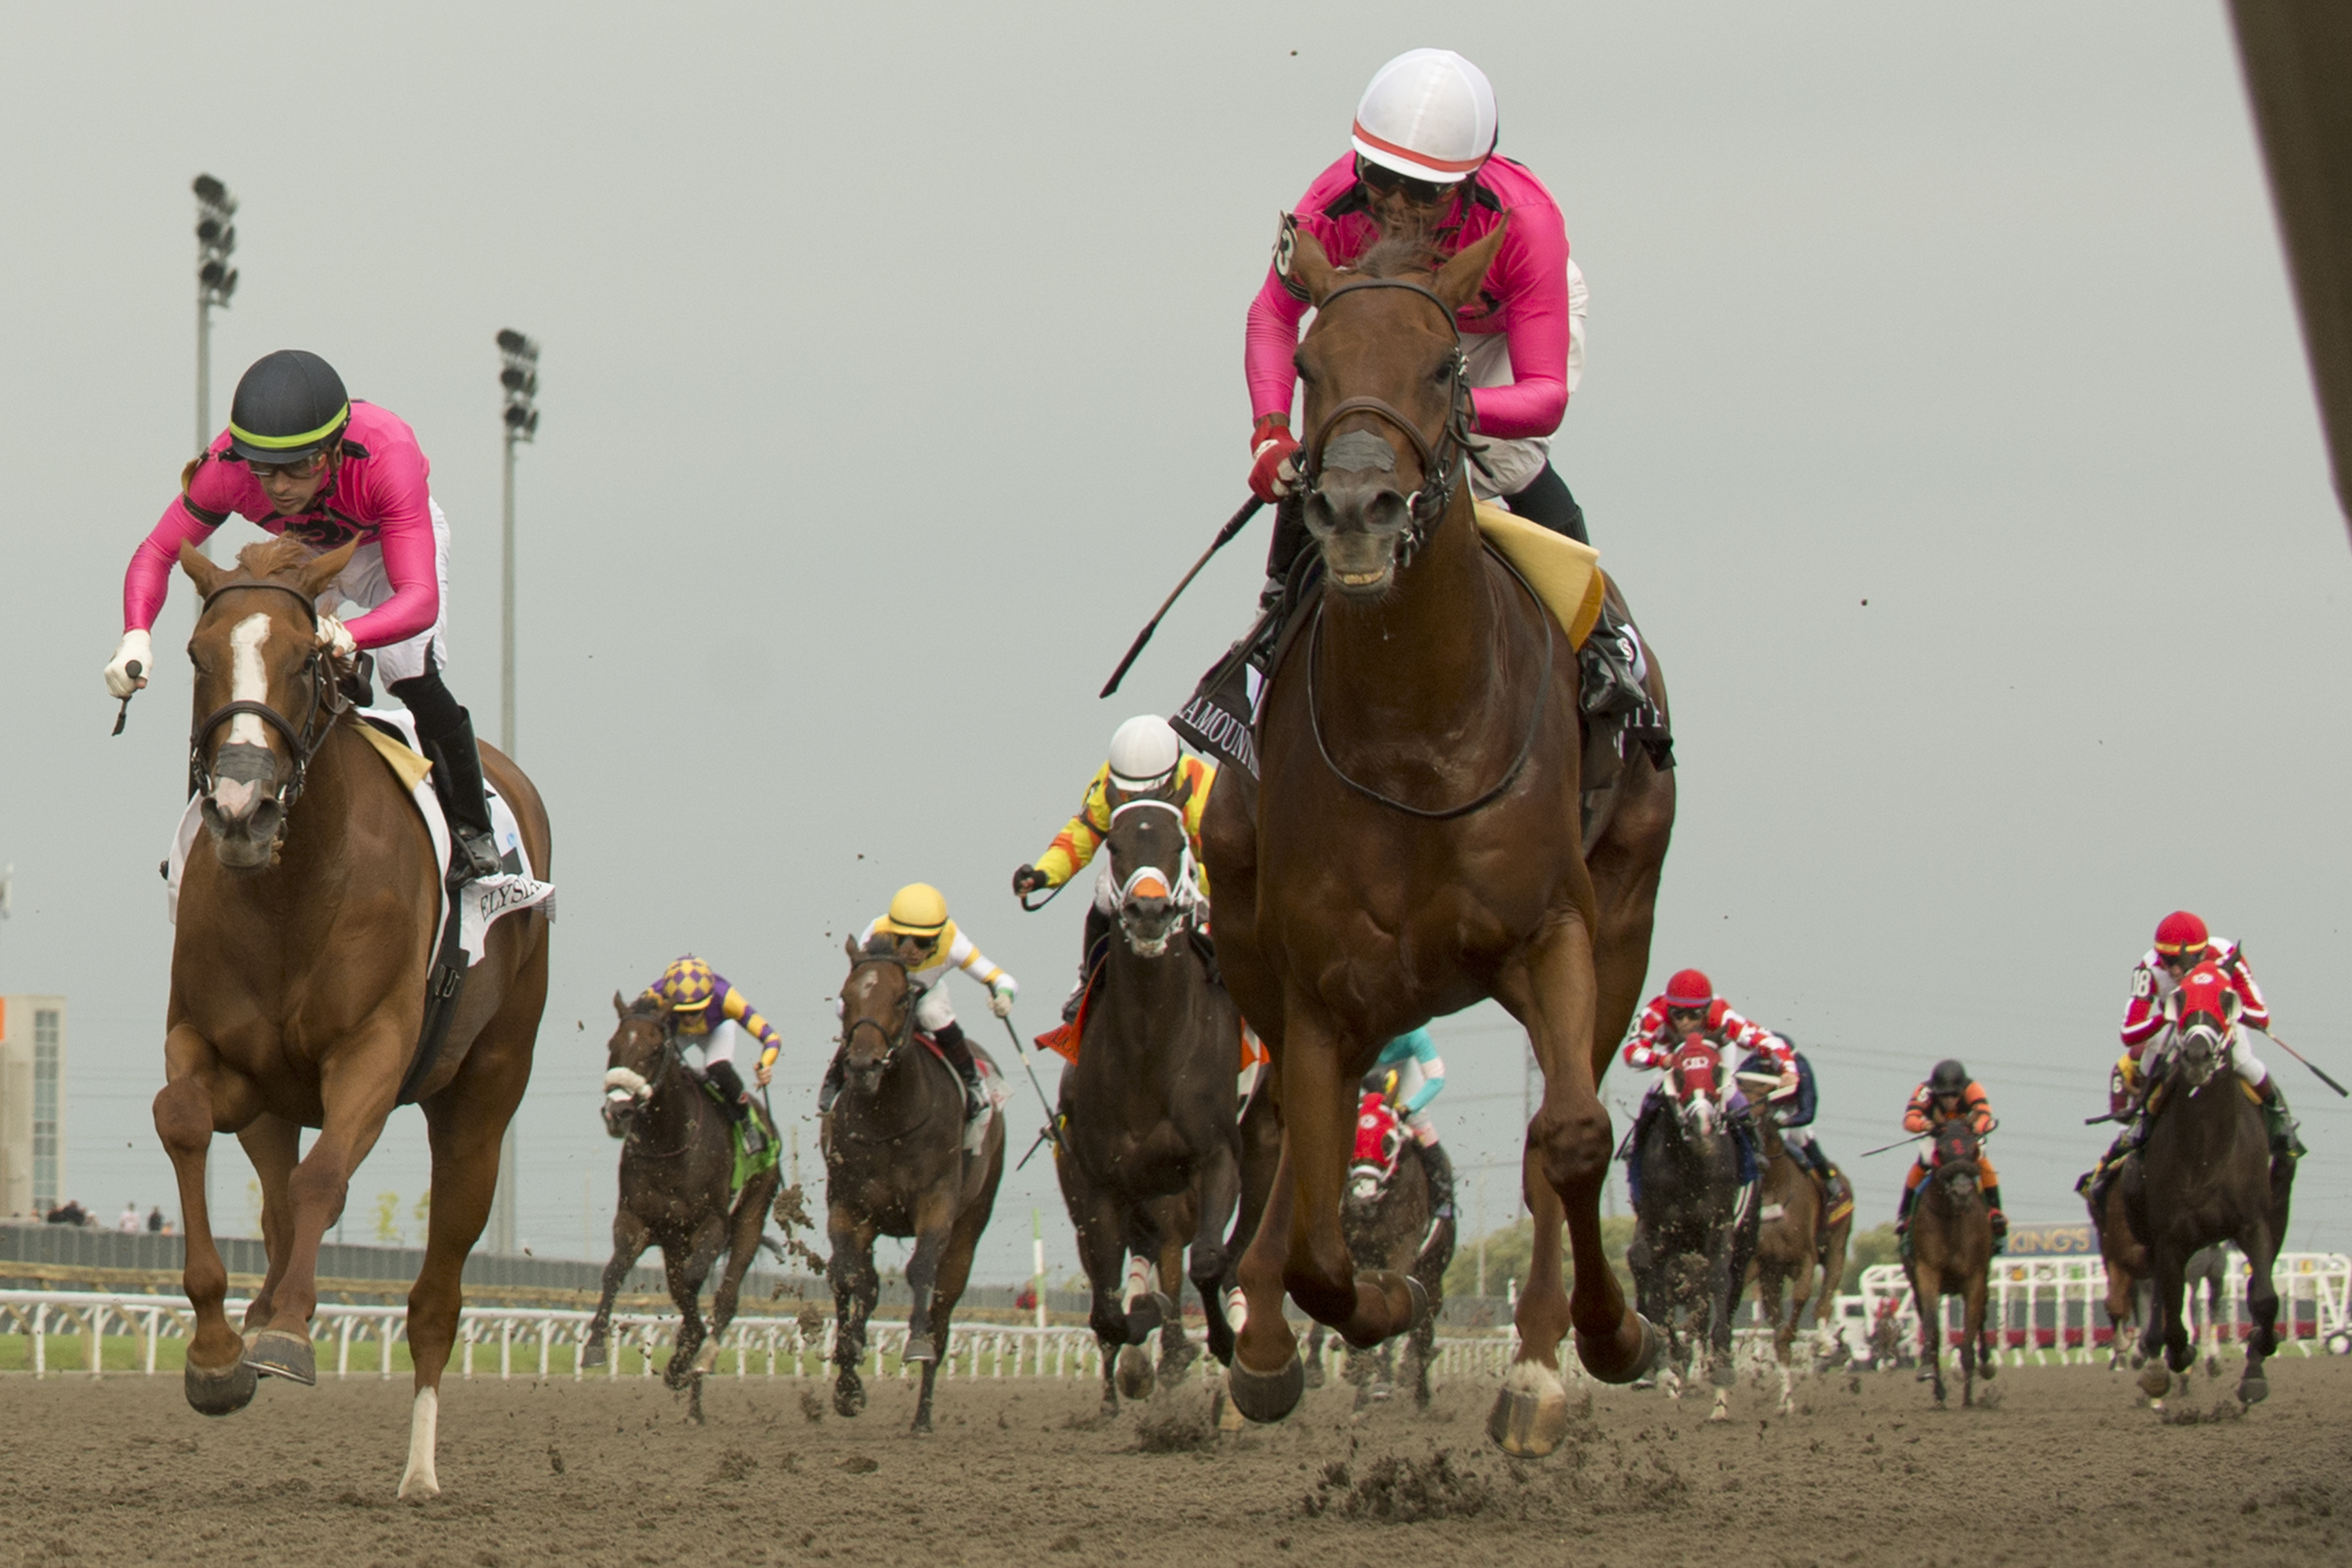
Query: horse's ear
x: 1459, y: 278
x: 200, y: 570
x: 849, y: 946
x: 1309, y: 266
x: 620, y: 1008
x: 321, y: 570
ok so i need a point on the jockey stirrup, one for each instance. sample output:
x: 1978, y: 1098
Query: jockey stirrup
x: 1611, y: 665
x: 2279, y: 1124
x: 722, y: 1077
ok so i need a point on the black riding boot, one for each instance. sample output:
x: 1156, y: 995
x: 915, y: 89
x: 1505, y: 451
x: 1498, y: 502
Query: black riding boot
x: 1903, y: 1210
x: 1999, y: 1220
x: 958, y: 1050
x: 1609, y: 662
x: 1439, y: 1167
x: 1290, y: 540
x: 736, y: 1104
x: 2284, y: 1144
x: 1098, y: 932
x: 446, y: 730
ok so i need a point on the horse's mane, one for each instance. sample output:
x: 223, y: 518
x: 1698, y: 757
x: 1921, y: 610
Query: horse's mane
x: 267, y: 558
x: 1396, y: 257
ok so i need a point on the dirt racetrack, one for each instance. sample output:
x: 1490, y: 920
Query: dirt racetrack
x: 2061, y: 1467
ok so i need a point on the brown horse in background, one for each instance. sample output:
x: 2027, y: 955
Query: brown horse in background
x: 1950, y: 1253
x: 1794, y: 1226
x: 1416, y: 846
x: 307, y: 920
x: 895, y: 1165
x: 2125, y: 1258
x: 1390, y: 1219
x: 678, y: 1173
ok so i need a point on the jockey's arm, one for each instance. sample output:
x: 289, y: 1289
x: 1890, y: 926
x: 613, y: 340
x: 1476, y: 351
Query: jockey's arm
x: 2143, y: 1014
x: 1529, y: 278
x: 732, y: 1005
x: 401, y: 509
x: 1916, y: 1115
x: 192, y: 518
x: 1074, y: 845
x: 2254, y: 1013
x: 964, y: 954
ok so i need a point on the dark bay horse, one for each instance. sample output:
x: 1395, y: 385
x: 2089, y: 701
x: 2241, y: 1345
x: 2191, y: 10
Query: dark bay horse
x: 895, y: 1165
x: 1390, y: 1222
x: 677, y: 1169
x: 2207, y: 1176
x: 1696, y: 1228
x: 1416, y: 846
x: 306, y: 927
x: 1791, y: 1236
x: 2125, y: 1259
x: 1950, y: 1253
x: 1149, y: 1110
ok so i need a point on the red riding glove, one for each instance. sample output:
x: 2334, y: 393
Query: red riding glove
x: 1274, y: 453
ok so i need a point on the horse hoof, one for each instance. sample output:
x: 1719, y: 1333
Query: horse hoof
x: 592, y: 1356
x: 919, y: 1348
x: 1530, y: 1412
x: 1599, y: 1354
x: 220, y: 1392
x: 1135, y: 1375
x: 275, y: 1352
x: 1420, y: 1294
x: 2254, y: 1390
x: 2154, y: 1381
x: 1265, y: 1397
x: 1149, y: 1312
x: 847, y: 1402
x: 1723, y: 1375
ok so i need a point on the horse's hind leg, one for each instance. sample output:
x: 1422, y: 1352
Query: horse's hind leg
x: 199, y: 1096
x: 1550, y: 992
x: 744, y: 1228
x: 630, y: 1239
x: 955, y: 1272
x: 2262, y: 1306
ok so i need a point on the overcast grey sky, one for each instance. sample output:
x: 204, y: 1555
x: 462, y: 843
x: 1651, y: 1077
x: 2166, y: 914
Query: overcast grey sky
x: 1945, y: 419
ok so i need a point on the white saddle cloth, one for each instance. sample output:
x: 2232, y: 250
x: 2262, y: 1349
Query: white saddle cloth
x: 481, y: 904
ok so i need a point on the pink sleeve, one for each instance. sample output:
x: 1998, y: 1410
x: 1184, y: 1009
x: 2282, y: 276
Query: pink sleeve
x: 399, y: 502
x: 149, y: 576
x: 1534, y: 296
x: 1272, y: 339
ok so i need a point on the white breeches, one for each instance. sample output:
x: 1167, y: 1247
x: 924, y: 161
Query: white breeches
x: 933, y: 1013
x: 2249, y: 1068
x: 363, y: 583
x: 719, y: 1045
x: 1796, y: 1137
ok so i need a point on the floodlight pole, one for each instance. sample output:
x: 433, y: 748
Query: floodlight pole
x: 216, y: 281
x: 519, y: 377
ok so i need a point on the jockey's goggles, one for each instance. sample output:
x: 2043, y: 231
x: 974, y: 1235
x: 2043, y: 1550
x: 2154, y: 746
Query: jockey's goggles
x: 1420, y: 193
x: 920, y: 946
x: 300, y: 468
x: 1686, y: 1015
x: 2180, y: 958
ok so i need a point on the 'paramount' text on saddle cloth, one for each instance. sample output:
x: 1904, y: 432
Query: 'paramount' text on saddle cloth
x: 481, y: 904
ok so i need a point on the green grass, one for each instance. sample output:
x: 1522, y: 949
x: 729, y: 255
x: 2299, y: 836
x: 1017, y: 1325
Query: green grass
x: 68, y: 1354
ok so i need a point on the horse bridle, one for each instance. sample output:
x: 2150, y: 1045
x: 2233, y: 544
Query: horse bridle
x: 671, y: 1054
x: 302, y: 745
x: 892, y: 1044
x: 1442, y: 461
x: 1442, y: 465
x: 1183, y: 892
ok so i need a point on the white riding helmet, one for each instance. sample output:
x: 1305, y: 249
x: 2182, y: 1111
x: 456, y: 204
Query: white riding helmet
x: 1428, y: 115
x: 1143, y: 755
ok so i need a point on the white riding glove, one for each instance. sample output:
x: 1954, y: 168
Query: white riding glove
x: 336, y: 638
x: 138, y: 645
x: 1001, y: 992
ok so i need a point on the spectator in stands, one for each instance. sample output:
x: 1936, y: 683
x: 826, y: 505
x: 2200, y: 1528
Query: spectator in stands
x: 127, y: 1221
x: 155, y: 1220
x: 70, y: 1213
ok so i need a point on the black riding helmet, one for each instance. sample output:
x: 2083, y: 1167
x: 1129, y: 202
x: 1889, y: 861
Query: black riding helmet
x: 1949, y: 1078
x: 287, y: 405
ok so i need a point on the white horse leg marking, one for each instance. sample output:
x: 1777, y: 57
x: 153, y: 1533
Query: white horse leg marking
x: 248, y: 677
x: 417, y: 1482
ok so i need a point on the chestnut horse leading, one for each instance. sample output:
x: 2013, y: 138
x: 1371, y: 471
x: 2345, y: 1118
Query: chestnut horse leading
x: 1415, y: 846
x: 307, y: 918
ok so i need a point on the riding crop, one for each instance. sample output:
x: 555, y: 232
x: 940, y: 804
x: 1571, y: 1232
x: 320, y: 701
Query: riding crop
x: 2308, y: 1062
x: 132, y: 670
x: 1050, y: 1130
x: 1225, y: 537
x: 1898, y: 1143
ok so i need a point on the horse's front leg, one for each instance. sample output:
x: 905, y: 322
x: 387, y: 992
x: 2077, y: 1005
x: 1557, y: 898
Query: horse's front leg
x: 1210, y: 1263
x: 685, y: 1267
x: 2262, y: 1308
x: 1318, y: 1122
x: 630, y: 1239
x: 358, y: 1084
x: 274, y: 1145
x: 851, y: 1271
x: 1930, y: 1308
x: 1266, y: 1377
x: 1550, y: 990
x: 199, y: 1096
x: 934, y: 1218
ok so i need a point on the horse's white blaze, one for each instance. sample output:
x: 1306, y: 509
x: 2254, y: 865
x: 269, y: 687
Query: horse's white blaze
x: 248, y: 677
x: 424, y: 1418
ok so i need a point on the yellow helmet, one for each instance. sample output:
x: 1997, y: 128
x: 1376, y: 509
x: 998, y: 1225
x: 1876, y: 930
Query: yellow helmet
x: 915, y: 910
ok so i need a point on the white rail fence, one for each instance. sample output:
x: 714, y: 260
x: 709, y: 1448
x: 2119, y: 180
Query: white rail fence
x: 2054, y: 1309
x: 522, y: 1340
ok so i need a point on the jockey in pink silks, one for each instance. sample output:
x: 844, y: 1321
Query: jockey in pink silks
x: 300, y: 459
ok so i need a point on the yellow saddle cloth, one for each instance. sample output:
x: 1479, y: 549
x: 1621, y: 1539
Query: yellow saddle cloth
x: 1566, y: 575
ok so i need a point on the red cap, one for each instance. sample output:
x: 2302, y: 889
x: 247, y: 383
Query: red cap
x: 2181, y: 932
x: 1689, y: 988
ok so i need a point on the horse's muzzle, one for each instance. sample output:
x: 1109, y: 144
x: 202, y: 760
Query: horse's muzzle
x: 1360, y: 519
x: 1147, y: 921
x: 619, y: 1114
x: 242, y: 810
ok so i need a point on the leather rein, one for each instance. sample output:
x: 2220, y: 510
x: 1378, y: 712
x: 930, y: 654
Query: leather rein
x: 303, y: 743
x: 1442, y: 465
